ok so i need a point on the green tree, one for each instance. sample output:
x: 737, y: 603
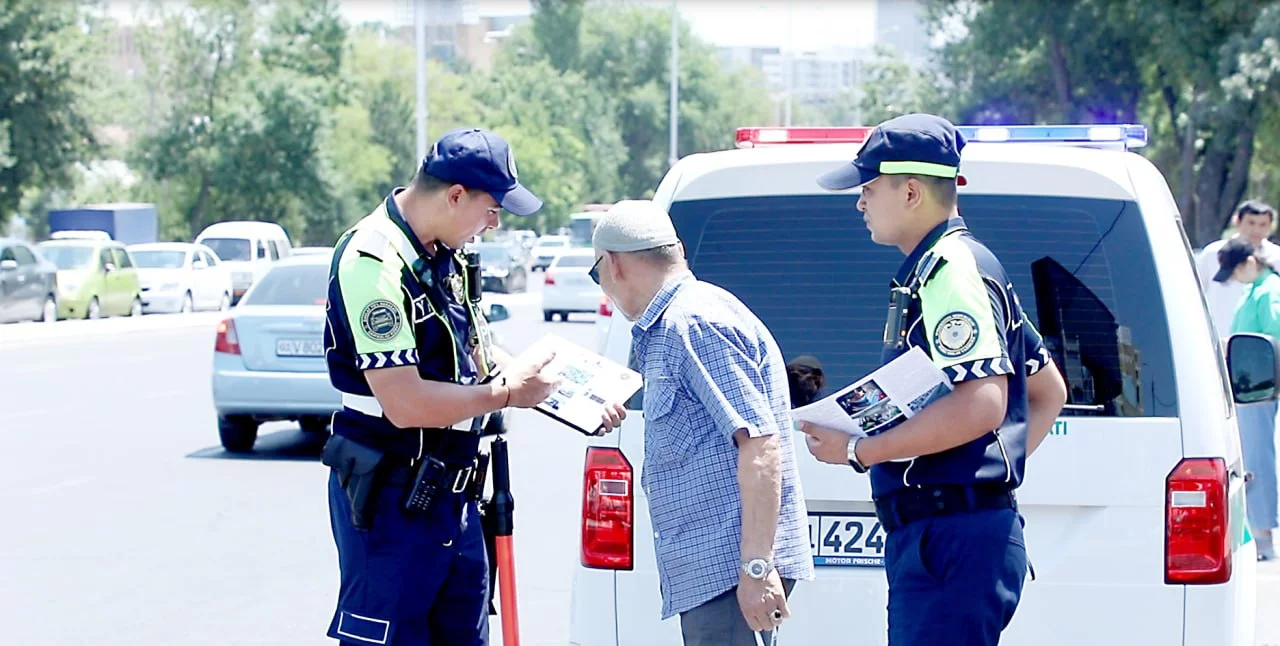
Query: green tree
x: 1201, y: 74
x: 250, y: 103
x: 46, y: 69
x: 557, y: 29
x: 625, y: 57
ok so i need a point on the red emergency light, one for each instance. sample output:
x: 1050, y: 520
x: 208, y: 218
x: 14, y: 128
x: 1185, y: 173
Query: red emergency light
x: 753, y: 137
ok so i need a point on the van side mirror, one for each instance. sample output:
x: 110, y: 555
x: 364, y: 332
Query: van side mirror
x: 109, y: 267
x: 497, y: 312
x: 1253, y: 363
x: 8, y: 265
x: 199, y: 264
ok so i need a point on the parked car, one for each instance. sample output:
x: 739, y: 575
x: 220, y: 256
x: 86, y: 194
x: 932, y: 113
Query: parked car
x: 501, y: 268
x: 567, y: 288
x: 1134, y: 504
x: 248, y: 248
x: 268, y: 358
x: 181, y: 277
x: 546, y: 250
x: 28, y: 284
x: 96, y: 276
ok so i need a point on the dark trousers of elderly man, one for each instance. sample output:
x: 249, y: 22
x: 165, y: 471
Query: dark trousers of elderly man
x: 730, y: 525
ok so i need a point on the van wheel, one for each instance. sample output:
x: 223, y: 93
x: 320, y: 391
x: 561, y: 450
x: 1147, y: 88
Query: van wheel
x: 317, y: 424
x: 238, y: 433
x: 49, y: 313
x: 186, y: 304
x: 547, y: 316
x: 94, y: 311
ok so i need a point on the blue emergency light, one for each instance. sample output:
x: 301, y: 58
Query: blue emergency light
x: 1126, y: 135
x: 1132, y: 136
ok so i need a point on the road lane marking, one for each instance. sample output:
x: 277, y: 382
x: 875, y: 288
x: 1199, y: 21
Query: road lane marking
x: 59, y: 486
x: 34, y: 412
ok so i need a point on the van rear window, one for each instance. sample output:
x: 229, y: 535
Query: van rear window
x: 1082, y: 268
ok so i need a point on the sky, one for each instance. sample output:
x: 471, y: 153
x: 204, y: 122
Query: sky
x: 803, y: 25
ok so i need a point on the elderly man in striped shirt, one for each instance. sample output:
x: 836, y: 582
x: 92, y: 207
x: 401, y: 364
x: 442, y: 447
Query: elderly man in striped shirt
x: 729, y: 519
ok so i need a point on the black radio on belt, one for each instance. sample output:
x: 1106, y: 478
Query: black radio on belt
x: 473, y: 276
x: 430, y: 477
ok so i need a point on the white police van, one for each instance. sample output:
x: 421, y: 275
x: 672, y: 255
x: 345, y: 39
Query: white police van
x: 1134, y: 503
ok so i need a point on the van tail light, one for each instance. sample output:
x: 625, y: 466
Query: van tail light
x: 606, y: 307
x: 549, y: 278
x: 227, y: 342
x: 1197, y: 533
x: 607, y: 510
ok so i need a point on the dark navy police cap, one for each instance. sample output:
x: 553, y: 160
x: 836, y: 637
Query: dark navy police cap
x: 1232, y: 255
x: 481, y: 160
x: 913, y: 144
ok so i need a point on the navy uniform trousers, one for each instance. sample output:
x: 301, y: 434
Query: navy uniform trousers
x: 411, y: 580
x: 955, y: 579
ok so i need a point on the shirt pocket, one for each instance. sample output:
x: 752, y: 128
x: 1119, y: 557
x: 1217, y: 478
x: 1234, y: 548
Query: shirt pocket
x: 666, y: 432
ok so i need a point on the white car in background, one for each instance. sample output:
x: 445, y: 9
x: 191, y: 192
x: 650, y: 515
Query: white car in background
x: 181, y: 277
x: 567, y: 288
x: 546, y: 250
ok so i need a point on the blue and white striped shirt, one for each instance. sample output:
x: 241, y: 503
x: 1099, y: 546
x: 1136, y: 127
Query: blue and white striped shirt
x: 710, y: 368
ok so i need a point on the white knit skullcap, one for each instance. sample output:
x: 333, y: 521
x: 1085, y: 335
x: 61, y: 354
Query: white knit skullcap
x: 634, y: 225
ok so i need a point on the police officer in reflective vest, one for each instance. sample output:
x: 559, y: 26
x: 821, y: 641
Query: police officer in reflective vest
x: 943, y: 481
x: 418, y: 376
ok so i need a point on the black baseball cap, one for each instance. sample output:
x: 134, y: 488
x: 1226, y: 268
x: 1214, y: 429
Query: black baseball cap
x: 913, y: 144
x: 1230, y: 256
x: 481, y: 160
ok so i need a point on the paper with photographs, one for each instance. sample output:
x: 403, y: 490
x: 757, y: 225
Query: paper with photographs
x: 881, y: 400
x: 588, y: 381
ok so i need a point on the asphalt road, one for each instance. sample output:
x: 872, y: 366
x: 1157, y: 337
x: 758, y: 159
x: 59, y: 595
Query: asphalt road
x: 125, y: 522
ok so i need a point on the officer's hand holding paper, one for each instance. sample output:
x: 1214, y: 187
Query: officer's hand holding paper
x: 588, y: 388
x: 880, y: 401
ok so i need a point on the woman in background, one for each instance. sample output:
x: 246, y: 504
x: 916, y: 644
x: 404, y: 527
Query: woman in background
x: 1258, y: 313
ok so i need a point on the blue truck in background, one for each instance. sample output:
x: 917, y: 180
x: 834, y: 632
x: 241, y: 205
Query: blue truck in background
x: 128, y: 223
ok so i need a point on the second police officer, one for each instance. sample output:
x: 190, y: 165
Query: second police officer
x: 411, y: 356
x: 943, y: 480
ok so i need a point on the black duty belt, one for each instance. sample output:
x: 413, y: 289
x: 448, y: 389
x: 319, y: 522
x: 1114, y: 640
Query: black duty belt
x: 458, y: 477
x: 914, y: 503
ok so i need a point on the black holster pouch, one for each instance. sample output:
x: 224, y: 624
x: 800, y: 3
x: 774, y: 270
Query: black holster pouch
x: 358, y: 473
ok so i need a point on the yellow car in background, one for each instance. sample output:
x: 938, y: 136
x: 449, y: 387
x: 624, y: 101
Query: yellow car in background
x: 96, y: 276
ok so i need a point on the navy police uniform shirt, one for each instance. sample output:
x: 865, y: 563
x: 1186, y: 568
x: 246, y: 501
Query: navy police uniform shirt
x: 391, y: 303
x: 968, y: 320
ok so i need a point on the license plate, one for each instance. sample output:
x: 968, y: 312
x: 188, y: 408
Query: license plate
x: 299, y: 348
x: 847, y: 539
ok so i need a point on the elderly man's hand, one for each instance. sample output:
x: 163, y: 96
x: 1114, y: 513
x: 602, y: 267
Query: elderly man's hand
x: 826, y: 444
x: 612, y: 418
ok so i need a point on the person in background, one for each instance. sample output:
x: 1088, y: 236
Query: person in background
x: 1259, y: 313
x: 804, y: 376
x: 1253, y: 221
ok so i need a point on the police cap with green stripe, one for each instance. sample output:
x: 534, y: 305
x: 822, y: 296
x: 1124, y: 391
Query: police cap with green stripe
x: 913, y: 144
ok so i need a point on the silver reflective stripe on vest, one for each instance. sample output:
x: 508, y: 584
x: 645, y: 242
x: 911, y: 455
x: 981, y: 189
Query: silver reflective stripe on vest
x: 361, y: 403
x: 370, y: 406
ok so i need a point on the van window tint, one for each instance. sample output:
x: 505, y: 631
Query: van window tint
x: 233, y: 249
x: 1082, y: 268
x: 275, y: 251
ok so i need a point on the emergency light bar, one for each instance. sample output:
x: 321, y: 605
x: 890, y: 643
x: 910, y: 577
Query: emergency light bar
x: 1128, y: 135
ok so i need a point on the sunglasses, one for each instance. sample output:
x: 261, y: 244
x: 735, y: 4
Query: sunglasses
x: 595, y: 271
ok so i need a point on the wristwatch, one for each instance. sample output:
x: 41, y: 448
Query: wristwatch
x: 853, y: 456
x: 757, y: 569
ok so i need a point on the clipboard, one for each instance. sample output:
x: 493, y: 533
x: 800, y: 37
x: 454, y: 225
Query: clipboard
x: 588, y: 383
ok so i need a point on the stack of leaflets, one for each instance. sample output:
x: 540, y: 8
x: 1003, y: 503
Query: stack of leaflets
x: 588, y: 383
x: 883, y: 399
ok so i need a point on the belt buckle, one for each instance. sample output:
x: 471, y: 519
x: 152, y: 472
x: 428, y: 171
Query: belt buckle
x: 461, y: 480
